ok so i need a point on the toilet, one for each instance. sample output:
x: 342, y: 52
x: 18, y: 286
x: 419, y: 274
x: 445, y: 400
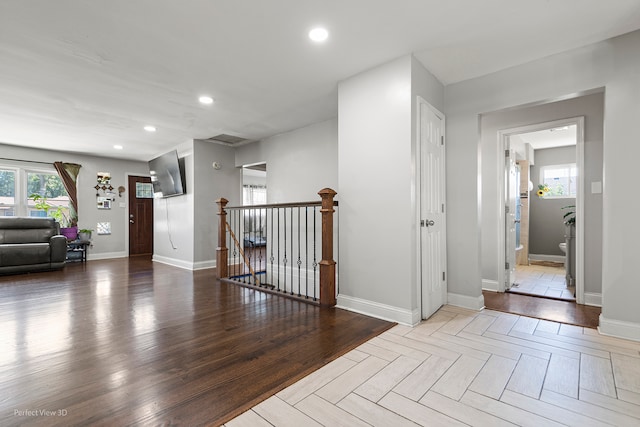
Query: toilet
x: 563, y: 247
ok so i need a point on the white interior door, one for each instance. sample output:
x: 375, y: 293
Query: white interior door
x: 432, y: 206
x: 511, y: 191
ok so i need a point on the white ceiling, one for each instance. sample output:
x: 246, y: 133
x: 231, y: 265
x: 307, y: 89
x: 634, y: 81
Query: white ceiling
x: 81, y: 76
x: 551, y: 138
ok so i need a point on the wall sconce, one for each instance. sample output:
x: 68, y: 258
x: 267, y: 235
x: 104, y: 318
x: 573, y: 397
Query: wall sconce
x: 121, y: 190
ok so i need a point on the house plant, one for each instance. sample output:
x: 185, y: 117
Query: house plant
x: 84, y: 233
x: 57, y: 213
x: 570, y: 216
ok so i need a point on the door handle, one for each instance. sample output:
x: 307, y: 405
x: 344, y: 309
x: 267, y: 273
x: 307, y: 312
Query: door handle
x: 131, y: 221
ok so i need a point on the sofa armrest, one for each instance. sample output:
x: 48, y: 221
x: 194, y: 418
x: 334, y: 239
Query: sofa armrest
x: 58, y: 248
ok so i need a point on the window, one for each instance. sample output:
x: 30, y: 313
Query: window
x: 560, y: 179
x: 7, y: 192
x: 17, y: 184
x: 254, y: 195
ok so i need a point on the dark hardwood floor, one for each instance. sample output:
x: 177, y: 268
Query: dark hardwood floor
x: 543, y: 308
x: 131, y: 342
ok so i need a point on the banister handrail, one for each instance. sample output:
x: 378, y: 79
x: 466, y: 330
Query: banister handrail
x: 327, y: 265
x: 281, y: 205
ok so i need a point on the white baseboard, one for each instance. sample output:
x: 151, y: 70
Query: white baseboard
x: 591, y: 298
x: 490, y: 285
x: 464, y: 301
x: 619, y: 328
x: 105, y: 255
x: 378, y: 310
x: 552, y: 258
x: 203, y: 265
x: 187, y: 265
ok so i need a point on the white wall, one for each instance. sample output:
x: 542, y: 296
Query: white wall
x: 299, y: 163
x: 189, y: 236
x: 211, y: 185
x: 173, y: 219
x: 103, y: 246
x: 614, y: 64
x: 376, y: 173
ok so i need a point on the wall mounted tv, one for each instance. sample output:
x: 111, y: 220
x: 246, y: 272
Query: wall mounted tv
x: 167, y: 175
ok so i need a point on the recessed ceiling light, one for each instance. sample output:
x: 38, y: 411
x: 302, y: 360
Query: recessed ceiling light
x: 205, y: 100
x: 118, y: 147
x: 150, y: 128
x: 318, y: 34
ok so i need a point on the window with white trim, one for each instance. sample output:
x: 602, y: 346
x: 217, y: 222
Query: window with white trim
x: 17, y: 184
x: 560, y: 180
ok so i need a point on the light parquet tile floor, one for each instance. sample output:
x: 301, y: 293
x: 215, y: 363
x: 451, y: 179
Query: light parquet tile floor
x: 542, y: 280
x: 463, y: 367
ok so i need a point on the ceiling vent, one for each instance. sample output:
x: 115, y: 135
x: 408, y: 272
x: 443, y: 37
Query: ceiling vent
x: 225, y: 139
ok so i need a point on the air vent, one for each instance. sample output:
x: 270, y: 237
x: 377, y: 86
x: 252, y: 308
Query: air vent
x: 227, y: 139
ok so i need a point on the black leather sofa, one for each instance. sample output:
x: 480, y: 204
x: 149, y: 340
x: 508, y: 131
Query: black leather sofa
x: 31, y: 244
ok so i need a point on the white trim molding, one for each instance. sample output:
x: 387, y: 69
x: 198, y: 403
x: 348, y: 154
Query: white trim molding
x: 378, y: 310
x: 464, y: 301
x: 592, y: 298
x: 619, y: 328
x: 187, y: 265
x: 105, y: 255
x: 489, y: 285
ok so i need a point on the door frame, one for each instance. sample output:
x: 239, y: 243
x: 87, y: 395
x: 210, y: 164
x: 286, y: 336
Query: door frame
x: 417, y: 203
x: 503, y: 144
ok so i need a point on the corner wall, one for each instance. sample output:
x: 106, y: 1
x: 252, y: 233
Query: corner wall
x: 376, y: 187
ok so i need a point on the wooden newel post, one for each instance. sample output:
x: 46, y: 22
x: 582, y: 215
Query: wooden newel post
x: 222, y: 252
x: 327, y: 264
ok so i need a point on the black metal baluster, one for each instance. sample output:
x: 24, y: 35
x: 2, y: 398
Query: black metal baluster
x: 271, y: 242
x: 299, y: 262
x: 284, y: 261
x: 315, y: 259
x: 291, y: 217
x: 278, y: 249
x: 306, y: 251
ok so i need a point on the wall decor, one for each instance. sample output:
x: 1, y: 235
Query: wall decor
x: 103, y: 228
x: 103, y: 202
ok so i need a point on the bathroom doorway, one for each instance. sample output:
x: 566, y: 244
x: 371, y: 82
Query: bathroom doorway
x: 543, y: 248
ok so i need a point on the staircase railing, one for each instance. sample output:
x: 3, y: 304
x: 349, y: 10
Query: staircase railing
x: 275, y: 248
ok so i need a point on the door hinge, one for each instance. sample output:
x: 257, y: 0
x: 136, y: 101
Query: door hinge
x: 441, y: 139
x: 506, y: 266
x: 506, y: 153
x: 443, y: 276
x: 422, y: 223
x: 506, y: 209
x: 443, y: 208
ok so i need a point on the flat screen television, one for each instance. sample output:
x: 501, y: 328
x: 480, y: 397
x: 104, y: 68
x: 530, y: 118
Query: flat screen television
x: 167, y: 175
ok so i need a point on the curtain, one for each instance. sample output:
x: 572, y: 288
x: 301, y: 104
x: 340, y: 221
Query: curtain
x: 69, y: 175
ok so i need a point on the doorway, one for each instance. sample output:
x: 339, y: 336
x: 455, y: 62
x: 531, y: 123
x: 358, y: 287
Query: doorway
x: 542, y: 241
x: 140, y: 215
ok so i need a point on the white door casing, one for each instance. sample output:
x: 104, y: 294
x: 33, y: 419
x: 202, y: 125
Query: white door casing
x: 431, y: 190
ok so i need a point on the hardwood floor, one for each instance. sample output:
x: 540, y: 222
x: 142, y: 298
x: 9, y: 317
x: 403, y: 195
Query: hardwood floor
x: 131, y: 342
x: 543, y: 308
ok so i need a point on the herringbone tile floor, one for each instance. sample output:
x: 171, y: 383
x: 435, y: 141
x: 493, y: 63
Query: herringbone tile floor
x: 463, y: 367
